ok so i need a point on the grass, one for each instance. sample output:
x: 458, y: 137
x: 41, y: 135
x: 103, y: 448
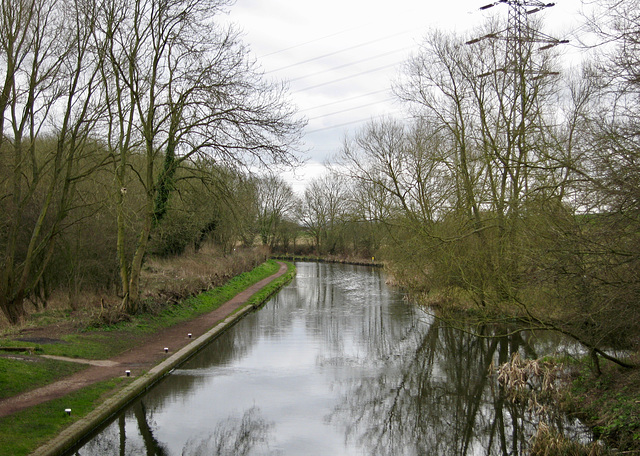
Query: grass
x: 164, y: 282
x: 18, y: 343
x: 21, y: 373
x: 23, y: 432
x: 547, y: 442
x: 266, y: 292
x: 211, y: 300
x: 93, y: 345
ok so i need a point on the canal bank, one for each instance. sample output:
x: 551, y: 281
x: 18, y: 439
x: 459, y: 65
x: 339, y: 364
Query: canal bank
x: 180, y: 347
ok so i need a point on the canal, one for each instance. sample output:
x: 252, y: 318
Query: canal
x: 337, y: 363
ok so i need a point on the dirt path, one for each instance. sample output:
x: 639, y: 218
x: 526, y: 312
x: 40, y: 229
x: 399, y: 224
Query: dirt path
x: 138, y: 359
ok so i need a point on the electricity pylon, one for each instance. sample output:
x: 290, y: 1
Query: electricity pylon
x: 520, y: 69
x: 518, y: 33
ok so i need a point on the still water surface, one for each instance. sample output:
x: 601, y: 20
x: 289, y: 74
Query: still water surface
x: 335, y: 364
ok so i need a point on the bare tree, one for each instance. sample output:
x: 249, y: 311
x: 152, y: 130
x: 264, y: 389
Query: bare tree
x: 177, y: 86
x: 322, y: 211
x: 490, y: 108
x: 604, y: 260
x: 46, y: 112
x: 276, y: 204
x: 535, y: 189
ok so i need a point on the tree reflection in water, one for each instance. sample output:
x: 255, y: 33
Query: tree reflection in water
x: 439, y: 397
x: 146, y: 444
x: 238, y: 437
x: 233, y: 436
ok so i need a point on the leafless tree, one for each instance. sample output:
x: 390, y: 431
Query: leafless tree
x: 489, y: 106
x: 322, y: 211
x: 177, y: 85
x: 47, y: 111
x: 276, y: 205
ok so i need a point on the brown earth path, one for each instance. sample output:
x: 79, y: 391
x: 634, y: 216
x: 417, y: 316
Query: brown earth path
x: 138, y: 359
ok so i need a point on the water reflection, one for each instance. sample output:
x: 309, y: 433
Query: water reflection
x: 336, y: 363
x: 438, y: 397
x: 234, y: 436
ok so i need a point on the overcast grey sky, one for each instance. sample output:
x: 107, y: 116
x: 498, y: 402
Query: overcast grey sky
x: 340, y: 56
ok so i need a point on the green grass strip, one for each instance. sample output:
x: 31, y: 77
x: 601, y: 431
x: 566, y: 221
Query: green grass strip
x: 23, y: 432
x: 211, y: 300
x: 21, y: 374
x: 265, y: 293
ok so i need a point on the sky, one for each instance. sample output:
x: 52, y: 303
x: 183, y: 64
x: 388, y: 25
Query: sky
x: 339, y: 57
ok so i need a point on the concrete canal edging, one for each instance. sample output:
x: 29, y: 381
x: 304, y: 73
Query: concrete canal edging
x: 80, y: 429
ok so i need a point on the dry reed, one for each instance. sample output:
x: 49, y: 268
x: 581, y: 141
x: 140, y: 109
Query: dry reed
x: 539, y: 384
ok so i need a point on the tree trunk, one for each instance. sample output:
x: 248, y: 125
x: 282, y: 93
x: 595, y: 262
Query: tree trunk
x: 122, y: 253
x: 133, y: 305
x: 13, y: 308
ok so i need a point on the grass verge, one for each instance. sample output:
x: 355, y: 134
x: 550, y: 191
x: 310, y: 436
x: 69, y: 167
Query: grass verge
x: 23, y: 432
x: 107, y: 341
x: 22, y: 373
x: 265, y: 293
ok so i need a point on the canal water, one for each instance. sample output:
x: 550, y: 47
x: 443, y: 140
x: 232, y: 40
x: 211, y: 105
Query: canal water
x: 337, y: 363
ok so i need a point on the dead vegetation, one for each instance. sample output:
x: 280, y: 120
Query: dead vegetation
x: 541, y: 385
x: 169, y: 280
x: 531, y: 380
x: 165, y: 281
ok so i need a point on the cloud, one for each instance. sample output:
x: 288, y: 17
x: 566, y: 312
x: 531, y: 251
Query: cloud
x: 341, y: 56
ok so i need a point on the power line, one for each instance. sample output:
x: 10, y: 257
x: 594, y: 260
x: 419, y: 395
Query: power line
x: 309, y: 42
x: 582, y: 30
x: 331, y: 127
x: 377, y: 40
x: 343, y: 100
x: 356, y: 62
x: 353, y: 108
x: 336, y: 34
x: 373, y: 70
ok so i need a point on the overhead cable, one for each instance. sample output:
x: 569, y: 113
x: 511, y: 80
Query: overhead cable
x: 336, y: 52
x: 355, y: 62
x: 353, y: 108
x: 342, y: 100
x: 373, y: 70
